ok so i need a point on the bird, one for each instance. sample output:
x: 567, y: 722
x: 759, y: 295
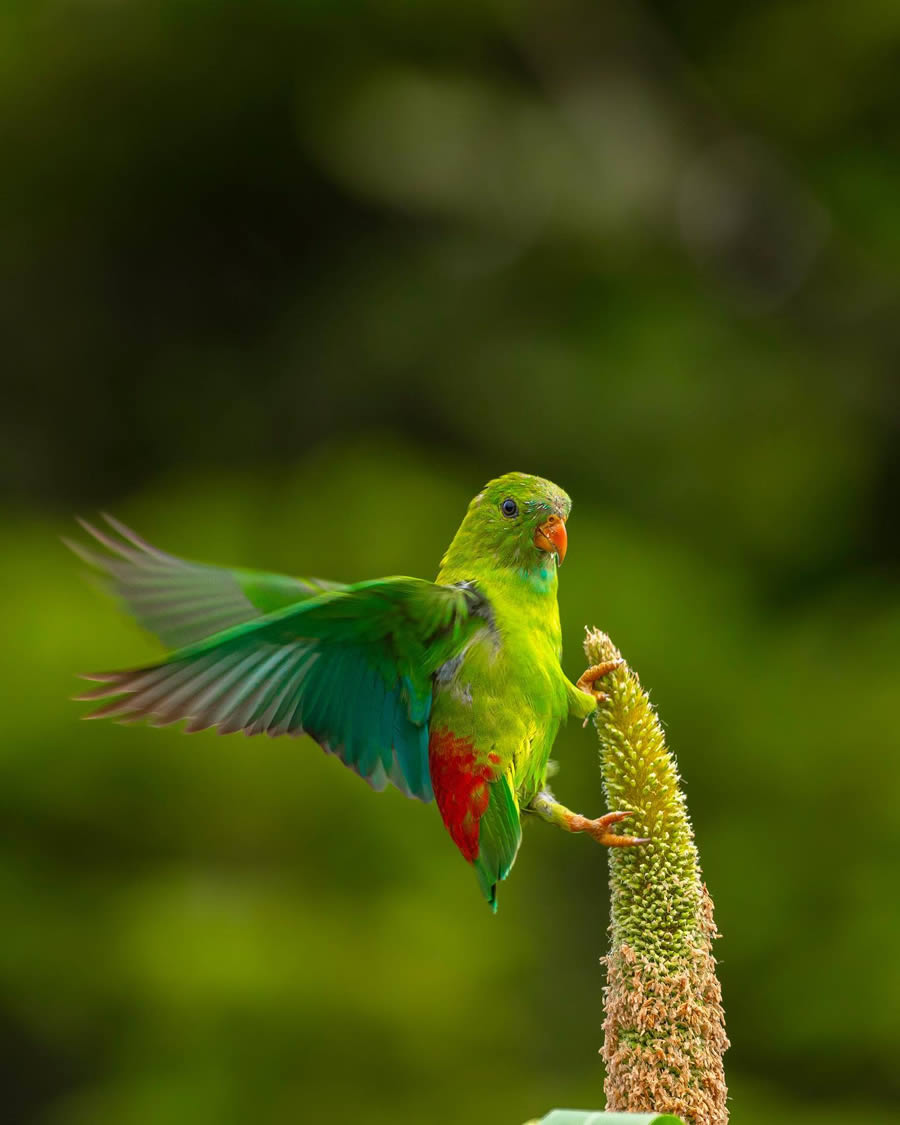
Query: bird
x: 451, y: 690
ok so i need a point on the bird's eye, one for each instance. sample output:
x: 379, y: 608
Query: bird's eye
x: 509, y: 508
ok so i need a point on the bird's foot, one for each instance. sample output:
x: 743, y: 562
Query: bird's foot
x: 599, y: 830
x: 588, y: 678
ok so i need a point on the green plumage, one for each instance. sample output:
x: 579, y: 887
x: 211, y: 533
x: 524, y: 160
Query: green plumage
x: 451, y: 689
x: 509, y: 694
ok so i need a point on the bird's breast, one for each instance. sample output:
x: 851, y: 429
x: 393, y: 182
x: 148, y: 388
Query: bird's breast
x: 503, y: 700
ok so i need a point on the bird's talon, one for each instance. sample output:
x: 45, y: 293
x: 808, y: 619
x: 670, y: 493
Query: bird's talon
x: 599, y: 830
x: 613, y: 817
x: 614, y: 841
x: 596, y: 672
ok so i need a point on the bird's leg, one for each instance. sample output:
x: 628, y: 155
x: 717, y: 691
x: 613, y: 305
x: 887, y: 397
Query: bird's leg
x: 596, y: 672
x: 548, y: 808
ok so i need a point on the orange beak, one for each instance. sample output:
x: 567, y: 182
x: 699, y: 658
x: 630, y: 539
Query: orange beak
x: 551, y: 536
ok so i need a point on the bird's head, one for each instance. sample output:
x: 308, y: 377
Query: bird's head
x: 516, y: 521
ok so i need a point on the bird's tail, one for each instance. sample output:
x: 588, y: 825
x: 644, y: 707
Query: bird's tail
x: 499, y: 838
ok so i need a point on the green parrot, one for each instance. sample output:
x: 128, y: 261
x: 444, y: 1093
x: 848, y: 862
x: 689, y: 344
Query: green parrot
x: 451, y: 690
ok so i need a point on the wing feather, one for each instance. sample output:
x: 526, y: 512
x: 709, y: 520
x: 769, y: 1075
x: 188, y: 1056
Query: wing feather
x: 351, y: 667
x: 184, y: 602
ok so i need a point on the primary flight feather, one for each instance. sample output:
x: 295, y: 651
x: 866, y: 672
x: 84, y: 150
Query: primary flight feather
x: 451, y: 690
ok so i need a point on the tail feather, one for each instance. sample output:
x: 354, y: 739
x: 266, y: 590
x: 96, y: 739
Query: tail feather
x: 499, y: 839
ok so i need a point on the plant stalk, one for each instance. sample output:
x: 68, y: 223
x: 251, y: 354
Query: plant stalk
x: 664, y: 1027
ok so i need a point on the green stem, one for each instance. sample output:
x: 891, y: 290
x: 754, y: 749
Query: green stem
x: 664, y: 1027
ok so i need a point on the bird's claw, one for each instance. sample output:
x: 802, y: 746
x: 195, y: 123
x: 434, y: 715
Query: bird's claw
x: 589, y: 677
x: 599, y: 830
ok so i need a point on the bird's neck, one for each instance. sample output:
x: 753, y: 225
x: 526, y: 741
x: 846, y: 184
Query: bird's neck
x: 513, y: 564
x: 536, y: 584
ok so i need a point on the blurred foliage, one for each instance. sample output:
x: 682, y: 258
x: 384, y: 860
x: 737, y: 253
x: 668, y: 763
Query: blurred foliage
x: 283, y: 283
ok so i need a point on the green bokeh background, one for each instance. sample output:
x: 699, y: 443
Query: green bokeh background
x: 282, y: 283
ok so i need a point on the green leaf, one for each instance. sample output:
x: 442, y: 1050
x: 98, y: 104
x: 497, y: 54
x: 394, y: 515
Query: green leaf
x: 596, y: 1117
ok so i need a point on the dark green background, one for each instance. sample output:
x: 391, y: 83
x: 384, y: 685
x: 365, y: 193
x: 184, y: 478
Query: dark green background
x: 282, y: 284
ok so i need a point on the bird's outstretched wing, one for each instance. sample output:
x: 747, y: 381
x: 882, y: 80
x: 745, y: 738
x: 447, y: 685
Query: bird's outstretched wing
x: 182, y: 602
x: 352, y: 668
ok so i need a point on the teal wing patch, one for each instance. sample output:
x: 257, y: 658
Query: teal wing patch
x: 352, y: 668
x: 182, y: 602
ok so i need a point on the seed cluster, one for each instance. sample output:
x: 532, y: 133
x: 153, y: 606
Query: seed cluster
x: 665, y: 1027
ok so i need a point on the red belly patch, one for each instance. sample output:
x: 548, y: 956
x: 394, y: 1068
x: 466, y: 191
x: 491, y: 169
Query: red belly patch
x: 460, y: 783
